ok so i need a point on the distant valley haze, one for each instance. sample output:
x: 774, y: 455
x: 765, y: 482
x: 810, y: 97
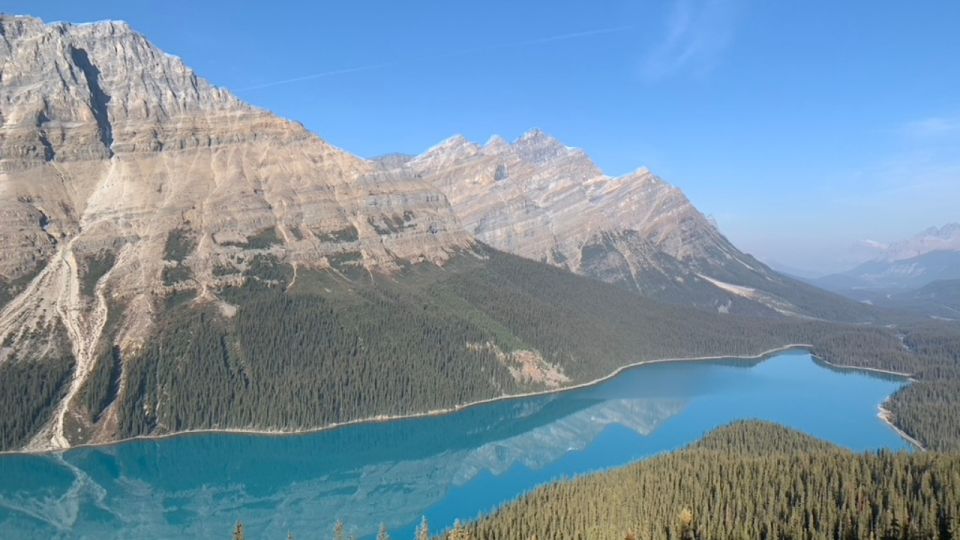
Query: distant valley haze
x: 804, y: 131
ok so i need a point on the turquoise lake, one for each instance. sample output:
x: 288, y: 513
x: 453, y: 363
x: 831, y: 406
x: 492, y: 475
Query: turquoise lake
x: 444, y: 467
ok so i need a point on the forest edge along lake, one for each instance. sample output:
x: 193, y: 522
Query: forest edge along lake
x: 450, y: 410
x: 445, y: 466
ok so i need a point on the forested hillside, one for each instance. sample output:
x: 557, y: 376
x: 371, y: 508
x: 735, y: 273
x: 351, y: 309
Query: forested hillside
x: 292, y: 350
x: 185, y: 292
x: 747, y: 480
x: 324, y: 348
x: 309, y: 348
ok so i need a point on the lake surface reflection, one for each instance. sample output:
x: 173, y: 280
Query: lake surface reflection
x: 444, y: 467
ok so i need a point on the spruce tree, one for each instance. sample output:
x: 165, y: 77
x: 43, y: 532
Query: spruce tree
x: 423, y: 531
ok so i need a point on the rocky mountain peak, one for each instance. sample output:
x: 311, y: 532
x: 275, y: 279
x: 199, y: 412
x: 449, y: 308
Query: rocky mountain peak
x: 126, y: 179
x: 16, y: 26
x: 536, y: 147
x: 944, y: 238
x: 540, y: 199
x: 495, y: 144
x: 451, y: 149
x: 130, y: 188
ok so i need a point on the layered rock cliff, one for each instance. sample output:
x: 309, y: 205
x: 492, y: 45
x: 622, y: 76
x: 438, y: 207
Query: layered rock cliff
x: 152, y: 226
x: 542, y: 200
x: 125, y: 178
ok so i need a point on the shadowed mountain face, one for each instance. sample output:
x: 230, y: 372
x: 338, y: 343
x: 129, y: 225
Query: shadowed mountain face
x: 545, y: 201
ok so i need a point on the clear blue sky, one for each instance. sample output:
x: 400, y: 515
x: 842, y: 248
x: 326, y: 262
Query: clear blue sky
x: 802, y: 127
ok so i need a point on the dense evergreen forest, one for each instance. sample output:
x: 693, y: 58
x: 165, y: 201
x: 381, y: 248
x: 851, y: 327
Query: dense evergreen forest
x: 319, y: 348
x: 31, y: 386
x: 309, y: 348
x: 747, y: 480
x: 326, y: 349
x: 29, y: 390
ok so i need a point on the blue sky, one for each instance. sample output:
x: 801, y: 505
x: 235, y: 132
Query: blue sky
x: 801, y: 127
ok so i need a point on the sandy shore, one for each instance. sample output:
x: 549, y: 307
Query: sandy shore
x: 886, y: 416
x: 908, y: 376
x: 458, y: 408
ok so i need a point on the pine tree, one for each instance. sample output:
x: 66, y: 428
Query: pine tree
x: 383, y: 534
x: 338, y: 531
x: 686, y: 524
x: 423, y: 531
x: 458, y: 532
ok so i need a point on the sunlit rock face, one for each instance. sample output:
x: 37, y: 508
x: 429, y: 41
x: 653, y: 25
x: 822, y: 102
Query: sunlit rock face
x: 127, y: 180
x: 106, y: 138
x: 545, y: 201
x: 111, y: 150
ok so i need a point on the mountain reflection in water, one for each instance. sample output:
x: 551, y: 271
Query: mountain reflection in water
x: 445, y: 467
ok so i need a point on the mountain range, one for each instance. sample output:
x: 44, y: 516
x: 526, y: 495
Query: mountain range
x: 896, y: 275
x: 943, y: 238
x: 153, y: 226
x: 920, y: 274
x: 548, y: 202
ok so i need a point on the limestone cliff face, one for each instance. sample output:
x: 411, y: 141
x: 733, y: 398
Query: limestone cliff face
x: 125, y: 176
x: 127, y: 183
x: 544, y: 200
x: 540, y: 199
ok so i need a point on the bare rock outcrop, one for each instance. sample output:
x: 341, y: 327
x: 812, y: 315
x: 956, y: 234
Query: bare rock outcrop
x: 545, y: 201
x: 125, y: 177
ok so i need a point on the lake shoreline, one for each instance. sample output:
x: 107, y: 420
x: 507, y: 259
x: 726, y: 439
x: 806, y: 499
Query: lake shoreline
x: 845, y: 367
x: 459, y: 408
x: 886, y: 416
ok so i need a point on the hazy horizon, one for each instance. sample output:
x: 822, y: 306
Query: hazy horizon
x: 799, y: 148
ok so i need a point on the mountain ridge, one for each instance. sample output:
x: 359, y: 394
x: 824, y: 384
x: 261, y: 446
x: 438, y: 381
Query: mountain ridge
x: 943, y: 238
x: 540, y: 199
x: 126, y: 179
x: 161, y: 240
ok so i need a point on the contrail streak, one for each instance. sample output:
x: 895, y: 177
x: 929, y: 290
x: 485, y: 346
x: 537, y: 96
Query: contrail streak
x: 451, y: 54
